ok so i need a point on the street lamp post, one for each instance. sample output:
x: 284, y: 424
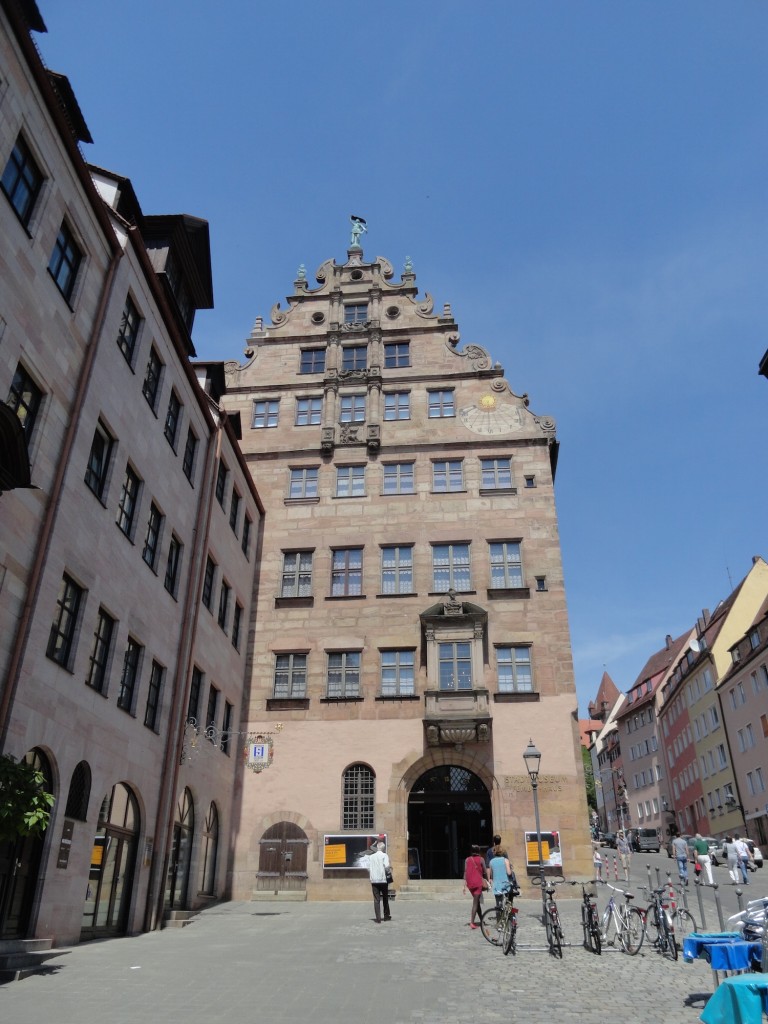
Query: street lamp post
x: 532, y: 758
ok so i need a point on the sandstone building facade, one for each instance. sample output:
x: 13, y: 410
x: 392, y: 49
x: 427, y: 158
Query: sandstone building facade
x: 410, y: 628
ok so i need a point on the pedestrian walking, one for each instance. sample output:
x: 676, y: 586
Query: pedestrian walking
x: 624, y: 851
x: 731, y: 855
x: 475, y: 880
x: 680, y: 853
x: 378, y: 863
x: 744, y: 856
x: 597, y: 860
x: 701, y: 852
x: 491, y: 851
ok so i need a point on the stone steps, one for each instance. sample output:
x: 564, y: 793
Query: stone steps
x: 430, y: 889
x: 19, y: 958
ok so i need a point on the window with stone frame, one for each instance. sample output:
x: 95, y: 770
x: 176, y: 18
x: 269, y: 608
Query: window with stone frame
x: 347, y: 572
x: 399, y: 478
x: 173, y: 565
x: 309, y: 411
x: 151, y: 386
x: 398, y: 673
x: 290, y: 676
x: 152, y: 537
x: 128, y: 332
x: 513, y: 667
x: 172, y: 419
x: 397, y: 405
x: 451, y: 569
x: 154, y: 693
x: 441, y: 403
x: 129, y: 679
x: 265, y: 413
x: 358, y: 798
x: 65, y: 261
x: 234, y: 510
x: 506, y: 565
x: 22, y: 181
x: 397, y: 569
x: 97, y: 470
x: 25, y: 398
x: 350, y: 481
x: 221, y: 483
x: 297, y: 574
x: 397, y: 354
x: 352, y: 409
x: 312, y: 360
x: 455, y: 665
x: 190, y: 449
x: 447, y: 475
x: 100, y: 651
x: 224, y: 595
x: 356, y: 313
x: 129, y: 499
x: 343, y: 675
x: 496, y: 474
x: 208, y: 581
x: 237, y: 620
x: 303, y: 482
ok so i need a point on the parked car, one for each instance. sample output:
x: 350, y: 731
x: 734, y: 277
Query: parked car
x: 718, y: 857
x: 758, y: 857
x: 609, y: 839
x: 646, y: 839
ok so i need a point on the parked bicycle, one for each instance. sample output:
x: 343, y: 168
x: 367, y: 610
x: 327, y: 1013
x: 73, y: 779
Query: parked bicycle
x: 623, y: 922
x: 590, y: 922
x: 552, y: 923
x: 499, y: 924
x: 658, y: 924
x: 683, y: 920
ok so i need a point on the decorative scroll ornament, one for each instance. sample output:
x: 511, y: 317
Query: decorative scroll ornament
x: 278, y: 316
x: 476, y: 355
x: 425, y: 308
x: 387, y: 269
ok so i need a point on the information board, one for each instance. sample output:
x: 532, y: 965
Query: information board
x: 349, y: 851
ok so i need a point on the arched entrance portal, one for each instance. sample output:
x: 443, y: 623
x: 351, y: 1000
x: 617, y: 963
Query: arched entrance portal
x: 110, y: 881
x: 449, y: 809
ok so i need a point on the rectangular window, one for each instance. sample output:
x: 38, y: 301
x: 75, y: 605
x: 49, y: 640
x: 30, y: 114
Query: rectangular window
x: 759, y: 783
x: 190, y: 449
x: 208, y: 581
x: 448, y: 475
x: 721, y: 756
x: 506, y: 565
x: 450, y: 568
x: 152, y: 539
x: 221, y: 483
x: 441, y: 403
x: 312, y: 360
x: 397, y: 674
x: 398, y: 478
x: 98, y: 460
x: 102, y: 643
x: 290, y: 676
x: 309, y: 412
x: 350, y: 481
x: 344, y: 674
x: 514, y: 668
x: 265, y: 413
x: 397, y: 569
x: 226, y: 728
x: 152, y: 709
x: 130, y: 675
x: 356, y: 313
x: 303, y: 482
x: 237, y: 620
x: 224, y: 594
x: 397, y: 353
x: 245, y: 543
x: 195, y: 689
x: 25, y: 398
x: 496, y: 474
x: 65, y: 261
x: 129, y: 499
x: 347, y: 572
x: 172, y: 565
x: 234, y: 510
x: 297, y: 574
x: 172, y: 419
x: 352, y: 409
x: 22, y: 181
x: 212, y: 711
x: 151, y: 386
x: 455, y: 666
x: 354, y: 357
x: 397, y: 405
x: 127, y: 335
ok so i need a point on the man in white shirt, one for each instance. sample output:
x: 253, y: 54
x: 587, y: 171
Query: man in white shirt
x: 378, y: 863
x: 742, y: 852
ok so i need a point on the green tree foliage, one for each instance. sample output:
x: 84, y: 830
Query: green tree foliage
x: 589, y: 779
x: 25, y: 806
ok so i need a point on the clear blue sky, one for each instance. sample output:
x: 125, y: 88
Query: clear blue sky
x: 584, y: 181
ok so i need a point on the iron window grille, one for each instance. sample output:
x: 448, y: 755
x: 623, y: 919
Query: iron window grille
x: 359, y: 798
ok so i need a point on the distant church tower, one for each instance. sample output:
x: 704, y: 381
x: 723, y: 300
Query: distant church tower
x: 410, y: 633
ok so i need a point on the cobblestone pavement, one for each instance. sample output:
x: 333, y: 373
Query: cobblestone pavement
x: 330, y: 962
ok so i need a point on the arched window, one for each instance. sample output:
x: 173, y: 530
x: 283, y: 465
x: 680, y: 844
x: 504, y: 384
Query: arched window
x: 359, y: 798
x: 210, y: 851
x: 79, y: 792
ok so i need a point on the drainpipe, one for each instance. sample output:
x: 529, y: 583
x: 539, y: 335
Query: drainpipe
x: 52, y: 511
x: 176, y: 720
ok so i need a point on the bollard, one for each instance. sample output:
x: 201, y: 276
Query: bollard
x: 739, y: 899
x: 703, y: 916
x: 684, y: 891
x: 648, y: 869
x: 719, y: 908
x: 658, y: 877
x: 615, y: 869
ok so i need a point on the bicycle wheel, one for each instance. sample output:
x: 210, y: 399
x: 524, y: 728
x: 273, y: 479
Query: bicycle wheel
x: 685, y: 923
x: 585, y: 928
x: 510, y: 936
x: 608, y: 927
x: 669, y: 939
x: 556, y: 948
x: 490, y: 925
x: 632, y: 930
x: 594, y: 931
x: 548, y: 927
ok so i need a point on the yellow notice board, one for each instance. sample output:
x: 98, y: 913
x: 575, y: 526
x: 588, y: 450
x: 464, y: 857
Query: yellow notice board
x: 335, y: 855
x: 532, y: 851
x: 551, y: 853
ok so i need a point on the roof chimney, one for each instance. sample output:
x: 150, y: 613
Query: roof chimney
x: 667, y: 641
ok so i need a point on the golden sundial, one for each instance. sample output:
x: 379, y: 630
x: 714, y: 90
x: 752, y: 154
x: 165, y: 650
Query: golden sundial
x: 488, y: 417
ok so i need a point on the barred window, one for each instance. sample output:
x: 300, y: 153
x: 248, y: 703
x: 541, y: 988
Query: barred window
x: 359, y: 798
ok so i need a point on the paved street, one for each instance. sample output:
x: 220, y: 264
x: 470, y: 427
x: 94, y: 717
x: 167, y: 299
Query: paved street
x: 329, y: 962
